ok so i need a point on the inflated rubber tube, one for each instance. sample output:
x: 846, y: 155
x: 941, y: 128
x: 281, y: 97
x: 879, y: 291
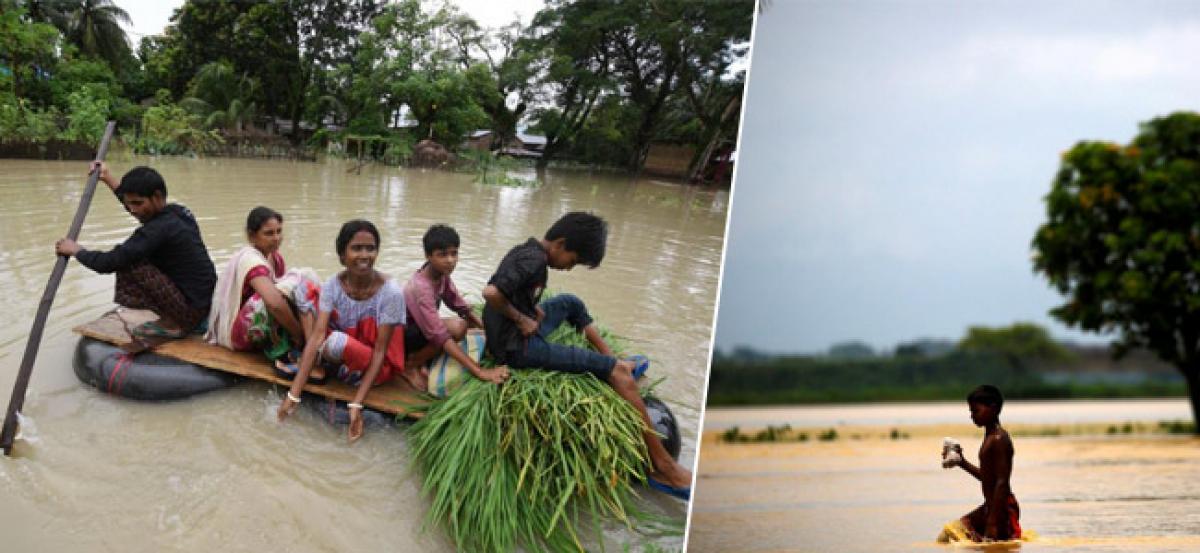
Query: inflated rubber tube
x: 664, y: 422
x: 143, y: 376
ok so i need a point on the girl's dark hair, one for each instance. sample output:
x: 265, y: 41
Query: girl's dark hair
x: 439, y: 237
x: 584, y: 233
x: 349, y: 229
x: 259, y: 217
x: 142, y: 181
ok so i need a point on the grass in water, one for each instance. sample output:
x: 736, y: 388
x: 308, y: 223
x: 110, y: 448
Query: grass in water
x: 524, y: 463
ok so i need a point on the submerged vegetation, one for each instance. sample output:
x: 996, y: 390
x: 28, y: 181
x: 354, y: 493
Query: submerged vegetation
x: 524, y: 463
x: 785, y: 433
x: 495, y: 170
x: 781, y: 434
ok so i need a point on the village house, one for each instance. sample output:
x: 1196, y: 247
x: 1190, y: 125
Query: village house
x: 521, y: 145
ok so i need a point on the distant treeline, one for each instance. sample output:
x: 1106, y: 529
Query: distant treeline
x: 1021, y: 359
x: 804, y: 379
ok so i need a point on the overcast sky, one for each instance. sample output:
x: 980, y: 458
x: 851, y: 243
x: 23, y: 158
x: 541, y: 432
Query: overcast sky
x: 894, y: 156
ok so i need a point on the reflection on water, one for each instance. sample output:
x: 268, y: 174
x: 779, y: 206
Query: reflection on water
x: 216, y: 471
x: 1077, y: 493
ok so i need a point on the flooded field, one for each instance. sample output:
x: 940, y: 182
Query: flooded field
x: 1079, y: 493
x: 216, y: 472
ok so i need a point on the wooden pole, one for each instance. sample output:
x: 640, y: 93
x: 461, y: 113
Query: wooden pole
x: 9, y: 432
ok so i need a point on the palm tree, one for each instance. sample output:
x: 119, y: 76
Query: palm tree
x: 94, y: 27
x: 54, y: 12
x: 222, y: 97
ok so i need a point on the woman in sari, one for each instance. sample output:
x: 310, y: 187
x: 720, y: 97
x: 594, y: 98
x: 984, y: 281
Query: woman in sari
x: 252, y: 308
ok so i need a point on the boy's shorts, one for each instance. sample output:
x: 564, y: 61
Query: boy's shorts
x: 976, y: 520
x: 414, y: 339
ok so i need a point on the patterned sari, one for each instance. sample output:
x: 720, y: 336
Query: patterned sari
x: 240, y: 320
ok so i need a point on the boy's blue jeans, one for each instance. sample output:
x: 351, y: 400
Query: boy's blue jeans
x: 543, y: 355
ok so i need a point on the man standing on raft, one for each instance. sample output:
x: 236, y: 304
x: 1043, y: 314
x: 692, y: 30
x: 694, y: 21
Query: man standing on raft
x: 998, y: 519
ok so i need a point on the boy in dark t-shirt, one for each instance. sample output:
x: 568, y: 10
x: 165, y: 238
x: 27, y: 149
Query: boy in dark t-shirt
x: 163, y: 266
x: 517, y: 325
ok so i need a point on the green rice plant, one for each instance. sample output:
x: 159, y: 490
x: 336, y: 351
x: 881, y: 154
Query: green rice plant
x: 526, y: 462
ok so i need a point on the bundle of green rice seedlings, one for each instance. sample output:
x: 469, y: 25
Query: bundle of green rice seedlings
x: 525, y: 463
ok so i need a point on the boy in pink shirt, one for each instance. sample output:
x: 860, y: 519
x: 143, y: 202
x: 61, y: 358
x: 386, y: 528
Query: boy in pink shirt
x: 427, y: 334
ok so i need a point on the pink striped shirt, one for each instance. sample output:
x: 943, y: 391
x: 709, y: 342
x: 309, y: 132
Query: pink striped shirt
x: 423, y: 297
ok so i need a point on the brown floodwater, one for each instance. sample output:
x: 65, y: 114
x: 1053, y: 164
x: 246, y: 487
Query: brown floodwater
x: 216, y: 472
x: 1079, y: 493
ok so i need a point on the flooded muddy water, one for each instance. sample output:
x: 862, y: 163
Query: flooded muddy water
x: 216, y: 472
x: 1079, y: 493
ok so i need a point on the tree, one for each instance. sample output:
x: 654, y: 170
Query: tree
x: 53, y: 12
x: 660, y: 48
x: 851, y: 349
x: 1122, y: 242
x: 510, y: 71
x: 1018, y: 342
x: 646, y: 54
x: 571, y: 46
x: 224, y: 98
x: 94, y: 26
x: 27, y: 51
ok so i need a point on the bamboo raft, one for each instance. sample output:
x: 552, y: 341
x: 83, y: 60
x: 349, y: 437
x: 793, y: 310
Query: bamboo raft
x: 395, y: 397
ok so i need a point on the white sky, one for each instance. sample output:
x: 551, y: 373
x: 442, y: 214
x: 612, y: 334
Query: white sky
x: 150, y: 17
x: 894, y: 157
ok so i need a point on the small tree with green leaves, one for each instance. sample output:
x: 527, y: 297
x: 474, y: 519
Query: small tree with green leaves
x: 1019, y: 341
x: 1122, y: 242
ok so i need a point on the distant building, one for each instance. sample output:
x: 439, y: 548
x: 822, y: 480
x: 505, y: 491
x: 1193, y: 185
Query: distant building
x: 668, y: 160
x: 521, y: 145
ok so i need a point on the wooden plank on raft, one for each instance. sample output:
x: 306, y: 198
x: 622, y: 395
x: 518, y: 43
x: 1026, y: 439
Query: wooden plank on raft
x: 390, y: 397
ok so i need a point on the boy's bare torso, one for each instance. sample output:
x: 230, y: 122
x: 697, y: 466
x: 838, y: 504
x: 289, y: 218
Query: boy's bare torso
x: 995, y: 461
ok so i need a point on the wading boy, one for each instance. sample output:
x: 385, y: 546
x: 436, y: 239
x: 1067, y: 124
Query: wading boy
x: 999, y: 517
x: 517, y: 325
x: 163, y: 266
x: 427, y: 334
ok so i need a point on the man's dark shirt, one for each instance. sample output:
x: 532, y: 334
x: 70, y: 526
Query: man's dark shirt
x: 521, y: 277
x: 171, y: 242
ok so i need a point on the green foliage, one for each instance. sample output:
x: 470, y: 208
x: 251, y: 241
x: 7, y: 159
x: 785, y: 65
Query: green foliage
x: 443, y: 105
x: 852, y: 349
x: 1020, y: 340
x: 21, y: 123
x: 392, y: 148
x: 1177, y: 427
x: 1122, y: 241
x: 28, y: 51
x: 86, y: 117
x: 611, y: 76
x: 70, y: 74
x: 803, y: 379
x: 493, y: 169
x: 650, y: 54
x: 94, y: 27
x: 169, y: 129
x: 221, y: 97
x: 523, y: 462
